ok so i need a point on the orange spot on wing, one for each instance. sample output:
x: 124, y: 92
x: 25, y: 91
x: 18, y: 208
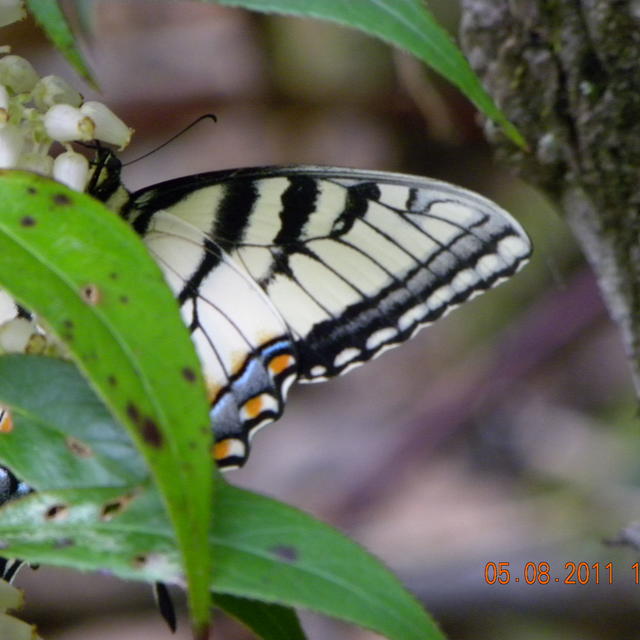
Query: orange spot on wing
x: 253, y: 407
x: 6, y: 422
x: 222, y: 449
x: 281, y: 363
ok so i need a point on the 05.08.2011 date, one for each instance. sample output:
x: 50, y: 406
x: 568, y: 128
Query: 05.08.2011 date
x: 545, y: 573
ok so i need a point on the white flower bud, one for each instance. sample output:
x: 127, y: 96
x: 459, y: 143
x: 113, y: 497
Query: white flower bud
x: 17, y: 74
x: 4, y: 105
x: 71, y: 168
x: 36, y: 162
x: 109, y: 128
x: 15, y: 335
x: 11, y: 11
x: 52, y: 90
x: 65, y: 123
x: 11, y: 145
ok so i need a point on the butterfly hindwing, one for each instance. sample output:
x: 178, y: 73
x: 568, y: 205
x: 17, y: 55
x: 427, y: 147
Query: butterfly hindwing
x: 243, y: 343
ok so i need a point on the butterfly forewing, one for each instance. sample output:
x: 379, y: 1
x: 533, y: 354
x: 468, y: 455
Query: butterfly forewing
x: 306, y: 272
x: 400, y: 253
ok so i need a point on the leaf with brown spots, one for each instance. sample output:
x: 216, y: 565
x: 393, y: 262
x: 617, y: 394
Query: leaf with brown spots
x: 61, y: 199
x: 150, y: 433
x: 266, y: 551
x: 189, y: 374
x: 58, y: 415
x: 61, y: 269
x: 28, y: 221
x: 91, y: 294
x: 79, y: 448
x: 57, y: 512
x: 284, y: 552
x: 115, y: 507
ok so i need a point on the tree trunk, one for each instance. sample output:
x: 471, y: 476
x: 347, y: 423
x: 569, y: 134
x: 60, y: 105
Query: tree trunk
x: 567, y: 73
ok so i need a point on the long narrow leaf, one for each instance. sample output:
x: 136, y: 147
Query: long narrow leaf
x: 273, y: 552
x: 91, y: 281
x: 265, y: 551
x: 407, y: 24
x: 49, y: 16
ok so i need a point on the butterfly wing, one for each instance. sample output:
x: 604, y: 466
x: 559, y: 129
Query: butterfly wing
x: 247, y: 355
x: 374, y: 258
x: 305, y: 272
x: 355, y: 262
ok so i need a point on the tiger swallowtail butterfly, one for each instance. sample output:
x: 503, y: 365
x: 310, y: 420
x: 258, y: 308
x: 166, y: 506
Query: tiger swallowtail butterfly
x: 302, y: 273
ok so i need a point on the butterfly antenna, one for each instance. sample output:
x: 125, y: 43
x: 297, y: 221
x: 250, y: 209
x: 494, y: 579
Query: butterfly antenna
x: 207, y: 116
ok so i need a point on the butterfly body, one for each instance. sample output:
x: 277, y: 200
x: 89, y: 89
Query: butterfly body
x: 301, y: 273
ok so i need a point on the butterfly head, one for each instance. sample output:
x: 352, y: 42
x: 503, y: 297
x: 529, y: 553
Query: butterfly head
x: 105, y: 183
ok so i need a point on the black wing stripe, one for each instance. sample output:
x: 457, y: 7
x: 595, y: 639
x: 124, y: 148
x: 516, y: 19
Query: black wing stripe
x: 356, y: 205
x: 228, y: 228
x: 210, y: 260
x: 330, y: 337
x: 298, y: 203
x: 234, y: 212
x: 412, y: 197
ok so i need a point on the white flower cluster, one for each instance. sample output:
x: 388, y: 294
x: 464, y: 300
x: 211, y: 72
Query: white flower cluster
x: 37, y: 112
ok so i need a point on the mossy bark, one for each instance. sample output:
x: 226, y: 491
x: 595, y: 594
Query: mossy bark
x: 567, y: 73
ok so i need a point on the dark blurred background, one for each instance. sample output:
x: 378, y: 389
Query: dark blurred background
x: 505, y: 433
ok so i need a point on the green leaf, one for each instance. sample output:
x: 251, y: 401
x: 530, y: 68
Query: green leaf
x: 268, y: 621
x: 124, y: 530
x: 63, y: 436
x: 49, y: 16
x: 407, y: 24
x: 89, y: 278
x: 265, y: 551
x: 273, y: 552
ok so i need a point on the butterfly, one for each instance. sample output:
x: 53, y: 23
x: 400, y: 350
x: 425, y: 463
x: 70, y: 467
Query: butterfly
x: 301, y: 273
